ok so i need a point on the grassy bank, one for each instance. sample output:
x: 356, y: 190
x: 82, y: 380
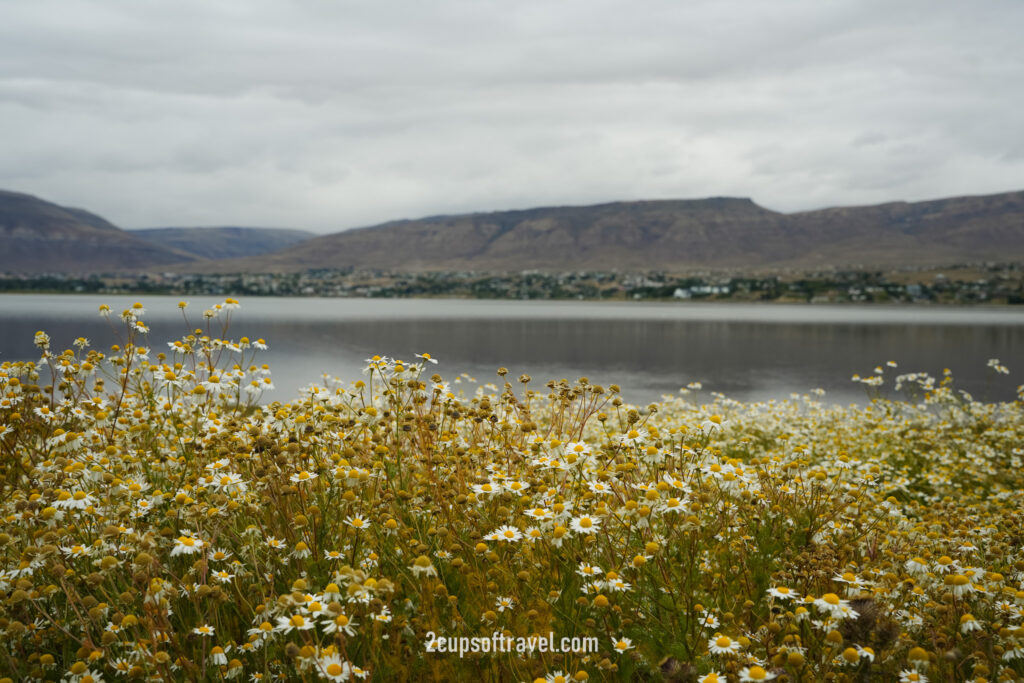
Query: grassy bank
x: 159, y: 523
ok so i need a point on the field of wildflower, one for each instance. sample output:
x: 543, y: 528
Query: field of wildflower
x: 164, y: 519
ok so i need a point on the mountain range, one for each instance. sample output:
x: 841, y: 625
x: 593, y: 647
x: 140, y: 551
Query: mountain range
x: 223, y: 242
x: 38, y: 236
x: 669, y: 235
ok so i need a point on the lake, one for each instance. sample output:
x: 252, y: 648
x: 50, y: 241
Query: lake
x: 746, y: 351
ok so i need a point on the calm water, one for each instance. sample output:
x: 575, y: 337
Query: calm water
x: 748, y: 352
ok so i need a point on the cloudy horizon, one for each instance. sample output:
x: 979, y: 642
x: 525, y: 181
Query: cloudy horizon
x: 331, y: 115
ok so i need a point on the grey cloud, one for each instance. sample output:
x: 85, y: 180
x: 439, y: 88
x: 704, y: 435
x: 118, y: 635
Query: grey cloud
x: 331, y: 114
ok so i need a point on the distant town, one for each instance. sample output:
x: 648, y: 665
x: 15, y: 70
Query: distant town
x: 963, y: 284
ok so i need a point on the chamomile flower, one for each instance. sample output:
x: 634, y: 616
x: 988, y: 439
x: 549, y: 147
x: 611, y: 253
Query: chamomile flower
x: 916, y: 566
x: 422, y: 567
x: 585, y: 524
x: 517, y: 487
x: 341, y: 622
x: 968, y: 623
x: 617, y: 585
x: 672, y: 505
x: 782, y: 593
x: 223, y: 576
x: 187, y: 545
x: 723, y: 645
x: 708, y: 621
x: 230, y: 483
x: 333, y: 668
x: 121, y: 665
x: 75, y: 550
x: 357, y: 522
x: 579, y: 449
x: 865, y: 653
x: 294, y: 622
x: 994, y: 364
x: 713, y: 423
x: 622, y: 644
x: 79, y: 500
x: 504, y: 603
x: 540, y: 514
x: 302, y: 477
x: 634, y: 437
x: 834, y: 605
x: 486, y: 489
x: 755, y: 673
x: 506, y: 533
x: 88, y: 676
x: 220, y: 555
x: 261, y: 631
x: 218, y: 656
x: 959, y: 584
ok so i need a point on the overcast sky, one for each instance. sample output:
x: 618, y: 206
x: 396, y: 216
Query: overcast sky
x: 331, y: 114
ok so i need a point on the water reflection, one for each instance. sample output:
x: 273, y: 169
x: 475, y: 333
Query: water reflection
x: 647, y: 355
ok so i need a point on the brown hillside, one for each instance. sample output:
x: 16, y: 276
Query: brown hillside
x: 717, y: 232
x: 223, y: 242
x: 38, y: 236
x: 666, y: 235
